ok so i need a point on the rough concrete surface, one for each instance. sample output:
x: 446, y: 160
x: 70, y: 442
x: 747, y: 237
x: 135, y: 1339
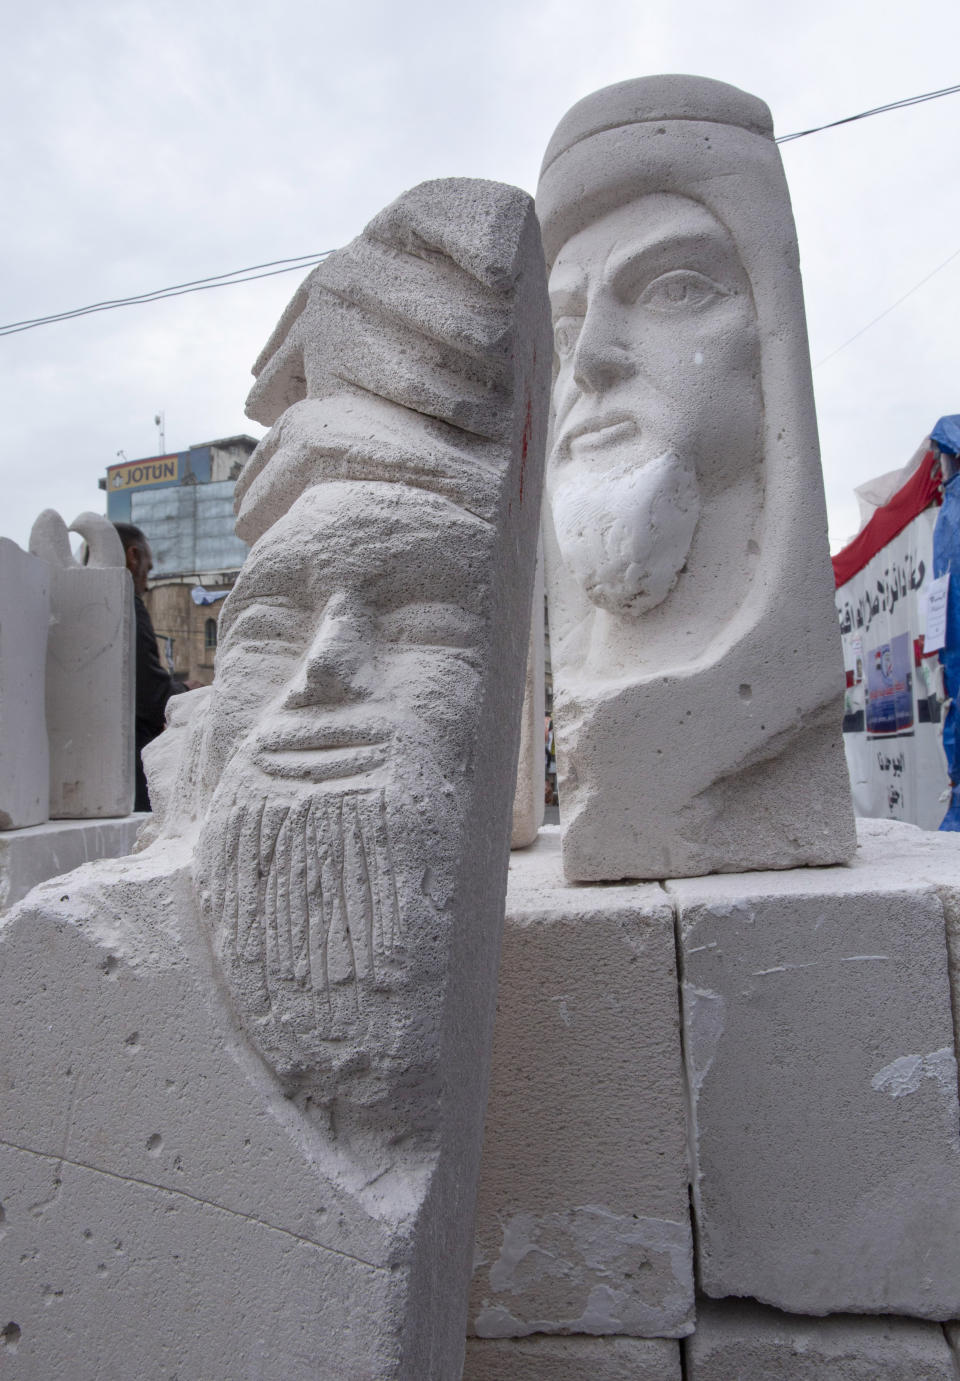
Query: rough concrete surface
x: 745, y: 1342
x: 696, y: 658
x: 165, y: 1210
x: 24, y: 755
x: 572, y: 1359
x: 30, y: 856
x: 582, y: 1211
x: 820, y: 1056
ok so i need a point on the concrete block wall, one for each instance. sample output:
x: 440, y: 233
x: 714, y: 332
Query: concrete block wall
x: 779, y: 1047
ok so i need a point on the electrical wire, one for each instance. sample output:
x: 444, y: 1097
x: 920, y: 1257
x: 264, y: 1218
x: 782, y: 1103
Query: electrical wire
x: 887, y: 310
x: 302, y: 261
x: 218, y: 280
x: 877, y: 110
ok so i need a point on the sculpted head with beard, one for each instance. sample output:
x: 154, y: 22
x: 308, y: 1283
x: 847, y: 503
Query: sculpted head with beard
x: 655, y: 469
x: 342, y: 799
x: 691, y: 614
x: 348, y: 668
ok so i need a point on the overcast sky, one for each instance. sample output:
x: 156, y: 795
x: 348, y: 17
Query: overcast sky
x: 145, y: 144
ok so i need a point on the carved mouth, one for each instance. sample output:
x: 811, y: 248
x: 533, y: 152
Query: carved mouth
x: 606, y: 430
x: 323, y: 754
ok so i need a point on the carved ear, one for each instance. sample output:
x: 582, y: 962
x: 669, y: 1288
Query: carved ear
x: 102, y: 539
x: 50, y: 539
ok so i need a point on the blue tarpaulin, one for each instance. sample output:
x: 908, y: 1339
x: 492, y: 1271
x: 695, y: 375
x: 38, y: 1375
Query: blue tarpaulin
x: 947, y: 434
x: 946, y: 558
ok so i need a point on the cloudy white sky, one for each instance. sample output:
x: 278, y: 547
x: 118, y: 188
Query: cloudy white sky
x: 145, y: 144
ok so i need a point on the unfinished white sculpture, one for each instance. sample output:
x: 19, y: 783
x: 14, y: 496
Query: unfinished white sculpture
x: 696, y: 663
x: 312, y: 936
x: 91, y: 669
x: 24, y: 755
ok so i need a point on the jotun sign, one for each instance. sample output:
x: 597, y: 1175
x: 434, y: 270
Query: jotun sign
x: 162, y: 470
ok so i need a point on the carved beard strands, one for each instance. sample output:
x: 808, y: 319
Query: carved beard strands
x: 303, y: 906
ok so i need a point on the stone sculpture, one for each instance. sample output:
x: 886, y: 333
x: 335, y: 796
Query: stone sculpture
x: 311, y: 937
x: 90, y: 669
x: 24, y: 754
x: 694, y: 645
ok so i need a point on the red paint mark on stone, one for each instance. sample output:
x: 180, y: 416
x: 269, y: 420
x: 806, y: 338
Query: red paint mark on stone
x: 525, y: 442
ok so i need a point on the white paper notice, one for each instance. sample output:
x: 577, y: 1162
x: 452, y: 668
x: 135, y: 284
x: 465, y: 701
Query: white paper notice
x: 936, y: 634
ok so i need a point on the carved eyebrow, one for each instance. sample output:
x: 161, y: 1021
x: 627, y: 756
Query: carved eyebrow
x: 700, y: 246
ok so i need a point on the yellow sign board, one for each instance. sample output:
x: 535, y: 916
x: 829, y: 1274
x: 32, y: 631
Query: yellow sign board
x: 161, y: 470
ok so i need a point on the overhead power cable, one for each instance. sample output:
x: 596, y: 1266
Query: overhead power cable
x: 877, y: 110
x: 302, y: 261
x: 887, y: 310
x: 218, y: 280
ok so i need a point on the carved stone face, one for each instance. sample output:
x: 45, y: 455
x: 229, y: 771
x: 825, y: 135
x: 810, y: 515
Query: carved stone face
x: 341, y: 720
x: 657, y: 401
x: 331, y: 659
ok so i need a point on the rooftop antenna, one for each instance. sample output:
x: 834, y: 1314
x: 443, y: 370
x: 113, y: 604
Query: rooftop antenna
x: 159, y: 422
x: 122, y: 453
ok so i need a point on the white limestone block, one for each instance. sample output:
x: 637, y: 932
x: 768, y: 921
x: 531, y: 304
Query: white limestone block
x: 24, y: 754
x: 572, y: 1359
x: 166, y: 1210
x: 820, y: 1057
x: 30, y: 856
x: 696, y: 659
x: 583, y: 1219
x: 91, y: 669
x: 277, y: 1017
x: 529, y: 795
x: 749, y: 1343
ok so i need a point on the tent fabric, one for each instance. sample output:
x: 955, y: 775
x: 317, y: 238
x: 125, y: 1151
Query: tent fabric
x: 946, y: 558
x: 947, y: 434
x: 920, y: 490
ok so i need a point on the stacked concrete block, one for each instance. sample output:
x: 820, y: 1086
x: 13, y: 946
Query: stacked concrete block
x: 582, y: 1217
x: 820, y: 1058
x: 750, y: 1343
x: 24, y: 756
x: 44, y: 851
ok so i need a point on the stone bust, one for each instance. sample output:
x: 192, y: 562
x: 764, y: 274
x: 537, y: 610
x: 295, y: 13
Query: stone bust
x: 691, y: 615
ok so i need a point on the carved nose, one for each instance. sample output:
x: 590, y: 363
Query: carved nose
x: 599, y: 361
x: 331, y: 671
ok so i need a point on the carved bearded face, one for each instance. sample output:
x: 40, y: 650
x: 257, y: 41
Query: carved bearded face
x: 657, y: 402
x: 339, y: 723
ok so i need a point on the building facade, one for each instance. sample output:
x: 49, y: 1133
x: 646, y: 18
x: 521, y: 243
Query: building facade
x: 184, y: 504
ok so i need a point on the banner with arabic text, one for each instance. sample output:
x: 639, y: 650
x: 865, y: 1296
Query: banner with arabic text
x: 891, y: 727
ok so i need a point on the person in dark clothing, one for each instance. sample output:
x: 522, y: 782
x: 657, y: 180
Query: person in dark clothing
x: 155, y: 685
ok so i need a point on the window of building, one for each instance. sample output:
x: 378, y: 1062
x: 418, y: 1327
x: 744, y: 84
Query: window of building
x: 210, y: 633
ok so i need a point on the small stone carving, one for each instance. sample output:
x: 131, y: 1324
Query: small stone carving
x: 24, y: 754
x: 90, y: 669
x: 694, y: 650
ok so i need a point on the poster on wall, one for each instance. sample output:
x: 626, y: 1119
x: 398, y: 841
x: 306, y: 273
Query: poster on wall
x: 889, y: 693
x: 892, y: 708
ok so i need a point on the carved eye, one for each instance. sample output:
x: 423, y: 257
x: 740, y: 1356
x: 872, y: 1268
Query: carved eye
x: 565, y: 334
x: 266, y: 624
x: 680, y: 290
x: 431, y: 625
